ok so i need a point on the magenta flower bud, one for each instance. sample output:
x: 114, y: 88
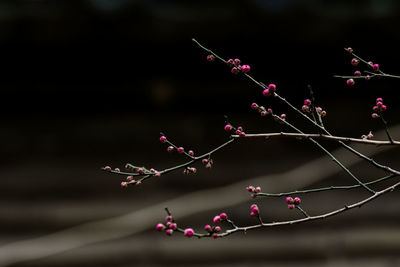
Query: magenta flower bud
x: 375, y: 67
x: 169, y: 232
x: 235, y: 70
x: 255, y: 210
x: 257, y: 189
x: 160, y: 227
x: 250, y: 188
x: 173, y: 226
x: 357, y: 73
x: 350, y: 50
x: 191, y: 153
x: 168, y: 218
x: 354, y: 62
x: 124, y: 184
x: 307, y: 102
x: 245, y: 68
x: 318, y: 109
x: 208, y: 165
x: 230, y: 62
x: 371, y: 63
x: 210, y: 58
x: 157, y: 174
x: 289, y: 200
x: 223, y: 216
x: 254, y: 106
x: 181, y: 150
x: 297, y: 201
x: 350, y: 82
x: 236, y: 62
x: 107, y: 168
x: 283, y: 116
x: 217, y: 229
x: 208, y: 228
x: 305, y: 108
x: 163, y: 139
x: 217, y: 219
x: 238, y: 132
x: 379, y: 99
x: 375, y: 108
x: 192, y: 169
x: 379, y: 104
x: 240, y: 128
x: 383, y: 108
x: 129, y: 178
x: 367, y: 77
x: 188, y: 232
x: 323, y: 113
x: 291, y: 206
x: 117, y: 170
x: 215, y: 235
x: 263, y: 113
x: 374, y: 115
x: 242, y: 134
x: 370, y: 135
x: 363, y: 136
x: 253, y: 206
x: 204, y: 161
x: 270, y: 111
x: 228, y: 128
x: 252, y: 214
x: 170, y: 149
x: 266, y: 92
x: 272, y: 87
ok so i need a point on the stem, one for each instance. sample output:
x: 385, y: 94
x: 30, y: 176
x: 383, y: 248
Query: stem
x: 340, y: 187
x: 303, y: 211
x: 386, y: 129
x: 318, y: 136
x: 329, y: 154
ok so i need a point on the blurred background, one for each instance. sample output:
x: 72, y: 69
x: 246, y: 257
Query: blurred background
x: 91, y: 83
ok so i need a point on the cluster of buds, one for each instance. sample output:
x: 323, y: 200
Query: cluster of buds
x: 293, y: 202
x: 378, y: 108
x: 236, y: 67
x: 169, y: 227
x: 320, y: 111
x: 189, y: 170
x: 253, y: 190
x: 269, y: 90
x: 239, y: 130
x: 261, y: 109
x: 135, y: 170
x: 210, y: 58
x: 367, y: 136
x: 306, y: 106
x: 281, y: 118
x: 171, y: 148
x: 355, y: 62
x: 254, y: 210
x: 207, y: 163
x: 214, y: 230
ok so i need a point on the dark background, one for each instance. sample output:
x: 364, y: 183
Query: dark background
x: 89, y: 83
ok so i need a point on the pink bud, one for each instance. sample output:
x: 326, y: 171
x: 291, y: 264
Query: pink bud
x: 370, y: 63
x: 107, y: 168
x: 350, y: 50
x: 374, y: 115
x: 272, y: 87
x: 245, y: 68
x: 370, y: 135
x: 254, y: 106
x: 355, y: 62
x: 289, y: 200
x: 188, y: 232
x: 169, y: 232
x: 357, y: 73
x: 258, y: 189
x: 223, y: 216
x: 181, y: 150
x: 363, y: 136
x: 168, y: 218
x: 210, y: 58
x: 157, y: 174
x: 266, y: 92
x: 250, y: 188
x: 235, y: 70
x: 252, y: 214
x: 208, y: 165
x: 170, y: 149
x: 291, y: 206
x: 297, y: 201
x: 318, y: 109
x: 204, y: 161
x: 379, y: 99
x: 208, y: 228
x: 255, y: 210
x: 236, y: 62
x: 367, y: 77
x: 242, y: 134
x: 129, y: 178
x: 191, y: 153
x: 283, y: 116
x: 117, y: 170
x: 217, y: 219
x: 173, y: 226
x: 379, y: 104
x: 217, y: 229
x: 383, y: 108
x: 375, y: 108
x: 124, y: 184
x: 163, y: 139
x: 228, y: 127
x: 270, y: 111
x: 350, y: 82
x: 215, y: 235
x: 229, y: 62
x: 305, y: 108
x: 307, y: 102
x: 375, y: 67
x: 263, y: 113
x: 160, y: 227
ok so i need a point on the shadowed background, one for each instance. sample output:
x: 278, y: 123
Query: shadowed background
x: 86, y: 84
